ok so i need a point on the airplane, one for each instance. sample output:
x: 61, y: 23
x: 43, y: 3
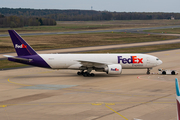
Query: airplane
x: 177, y: 98
x: 85, y: 63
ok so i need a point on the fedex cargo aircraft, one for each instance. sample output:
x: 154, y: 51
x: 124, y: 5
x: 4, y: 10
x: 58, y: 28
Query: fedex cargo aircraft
x: 85, y: 63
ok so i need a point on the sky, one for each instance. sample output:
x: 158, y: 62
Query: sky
x: 99, y: 5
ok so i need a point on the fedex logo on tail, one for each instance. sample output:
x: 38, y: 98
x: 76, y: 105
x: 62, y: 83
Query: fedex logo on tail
x: 20, y: 46
x: 132, y: 59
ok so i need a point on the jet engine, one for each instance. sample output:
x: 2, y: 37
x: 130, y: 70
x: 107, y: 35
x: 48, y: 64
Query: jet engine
x: 113, y: 69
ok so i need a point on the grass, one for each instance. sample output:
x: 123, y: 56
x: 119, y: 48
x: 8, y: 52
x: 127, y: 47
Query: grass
x: 170, y: 31
x: 55, y: 28
x: 92, y: 25
x: 80, y: 40
x: 143, y: 49
x: 8, y: 64
x: 4, y: 64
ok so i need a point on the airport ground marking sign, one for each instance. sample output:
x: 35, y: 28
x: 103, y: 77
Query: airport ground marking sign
x: 3, y: 106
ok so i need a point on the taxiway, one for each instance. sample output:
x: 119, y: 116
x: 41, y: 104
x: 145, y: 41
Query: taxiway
x: 43, y: 94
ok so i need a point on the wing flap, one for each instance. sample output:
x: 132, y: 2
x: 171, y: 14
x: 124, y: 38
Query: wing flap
x: 92, y: 63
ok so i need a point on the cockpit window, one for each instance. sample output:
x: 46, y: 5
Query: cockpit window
x: 157, y: 58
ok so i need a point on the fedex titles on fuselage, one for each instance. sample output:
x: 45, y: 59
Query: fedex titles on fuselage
x: 131, y: 60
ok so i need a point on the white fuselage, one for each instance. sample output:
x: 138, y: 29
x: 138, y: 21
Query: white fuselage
x: 127, y: 61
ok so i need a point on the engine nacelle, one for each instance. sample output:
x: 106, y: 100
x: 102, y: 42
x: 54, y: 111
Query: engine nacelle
x: 113, y: 69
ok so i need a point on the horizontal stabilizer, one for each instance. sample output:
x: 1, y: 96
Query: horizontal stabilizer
x: 18, y: 58
x: 8, y: 56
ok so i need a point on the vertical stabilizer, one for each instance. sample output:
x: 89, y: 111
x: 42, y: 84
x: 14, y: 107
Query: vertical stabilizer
x: 177, y: 98
x: 21, y: 47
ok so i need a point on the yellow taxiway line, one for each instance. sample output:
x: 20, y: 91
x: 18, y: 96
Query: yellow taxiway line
x: 3, y: 106
x: 18, y: 83
x: 117, y: 112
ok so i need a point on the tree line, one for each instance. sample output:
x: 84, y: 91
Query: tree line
x: 20, y: 21
x: 105, y: 15
x: 86, y: 15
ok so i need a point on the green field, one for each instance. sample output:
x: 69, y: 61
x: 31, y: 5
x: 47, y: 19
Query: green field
x: 80, y: 40
x: 34, y: 29
x: 143, y: 49
x: 4, y: 64
x: 92, y: 25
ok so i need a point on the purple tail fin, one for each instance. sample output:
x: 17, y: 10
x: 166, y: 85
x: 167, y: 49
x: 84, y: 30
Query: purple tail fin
x: 21, y: 47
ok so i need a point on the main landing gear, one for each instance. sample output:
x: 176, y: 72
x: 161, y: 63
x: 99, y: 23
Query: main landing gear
x: 85, y: 74
x: 148, y: 71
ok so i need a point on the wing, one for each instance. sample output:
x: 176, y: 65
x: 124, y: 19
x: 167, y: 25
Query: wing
x: 94, y: 64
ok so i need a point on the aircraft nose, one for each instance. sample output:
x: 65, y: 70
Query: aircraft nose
x: 160, y: 62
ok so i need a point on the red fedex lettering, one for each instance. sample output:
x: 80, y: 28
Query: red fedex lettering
x: 20, y: 46
x: 24, y: 46
x: 134, y: 59
x: 137, y: 60
x: 140, y: 60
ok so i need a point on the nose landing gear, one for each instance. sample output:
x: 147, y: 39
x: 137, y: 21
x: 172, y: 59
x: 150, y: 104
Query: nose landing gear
x: 148, y: 71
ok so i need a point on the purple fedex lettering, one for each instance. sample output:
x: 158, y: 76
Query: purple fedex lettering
x: 132, y: 59
x: 124, y: 60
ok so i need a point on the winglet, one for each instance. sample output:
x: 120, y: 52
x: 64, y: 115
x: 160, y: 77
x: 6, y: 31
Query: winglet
x: 177, y: 87
x: 20, y: 45
x: 177, y: 98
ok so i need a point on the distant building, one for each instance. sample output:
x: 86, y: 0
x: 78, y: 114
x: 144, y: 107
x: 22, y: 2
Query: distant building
x: 172, y: 18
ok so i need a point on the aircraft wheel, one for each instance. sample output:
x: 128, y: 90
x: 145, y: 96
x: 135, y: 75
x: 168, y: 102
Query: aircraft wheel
x: 164, y: 72
x: 79, y: 73
x: 92, y: 74
x: 148, y: 71
x: 86, y: 74
x: 173, y: 73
